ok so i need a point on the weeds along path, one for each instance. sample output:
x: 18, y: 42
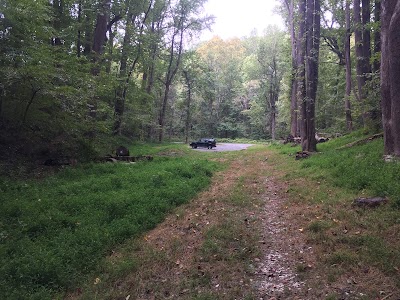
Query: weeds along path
x: 233, y: 241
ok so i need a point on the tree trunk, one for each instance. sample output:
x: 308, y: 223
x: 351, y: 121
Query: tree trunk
x: 377, y: 35
x: 273, y: 99
x: 79, y: 38
x: 155, y: 30
x: 111, y: 36
x: 188, y: 103
x: 58, y: 6
x: 119, y: 107
x: 88, y: 35
x: 301, y: 52
x: 388, y: 8
x: 100, y: 32
x: 173, y: 65
x: 34, y: 92
x: 394, y: 62
x: 1, y: 105
x: 366, y: 37
x: 99, y: 41
x: 347, y: 105
x: 359, y: 57
x: 294, y: 130
x: 312, y: 33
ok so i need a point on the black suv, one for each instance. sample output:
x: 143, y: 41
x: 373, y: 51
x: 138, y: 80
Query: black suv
x: 205, y: 142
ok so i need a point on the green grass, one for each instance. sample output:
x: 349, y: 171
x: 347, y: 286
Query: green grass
x: 55, y: 232
x: 359, y: 168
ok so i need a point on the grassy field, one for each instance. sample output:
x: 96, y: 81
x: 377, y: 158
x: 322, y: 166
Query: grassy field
x: 55, y: 231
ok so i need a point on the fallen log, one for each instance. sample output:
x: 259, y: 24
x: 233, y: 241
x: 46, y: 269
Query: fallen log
x: 114, y: 159
x: 369, y: 202
x: 60, y: 161
x: 362, y: 141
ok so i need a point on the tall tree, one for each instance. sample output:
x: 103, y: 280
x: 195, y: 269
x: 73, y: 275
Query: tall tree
x: 363, y: 52
x: 137, y: 19
x: 377, y: 36
x: 271, y: 74
x: 390, y: 76
x: 100, y: 32
x: 183, y: 22
x: 347, y: 97
x: 190, y: 74
x: 311, y: 44
x: 294, y: 124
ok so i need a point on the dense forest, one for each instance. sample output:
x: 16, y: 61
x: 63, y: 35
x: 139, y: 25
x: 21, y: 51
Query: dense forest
x: 76, y: 74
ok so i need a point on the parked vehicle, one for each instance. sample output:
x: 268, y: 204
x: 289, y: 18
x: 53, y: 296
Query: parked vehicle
x: 204, y: 142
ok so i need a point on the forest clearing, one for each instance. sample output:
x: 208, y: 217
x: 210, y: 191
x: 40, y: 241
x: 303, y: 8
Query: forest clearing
x: 258, y: 230
x: 102, y: 197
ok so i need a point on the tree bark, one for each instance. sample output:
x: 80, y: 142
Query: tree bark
x: 377, y: 35
x: 79, y: 37
x: 388, y: 8
x: 301, y: 52
x: 312, y: 33
x: 273, y: 99
x: 366, y: 37
x: 119, y: 104
x: 87, y: 49
x: 347, y: 105
x: 359, y: 57
x: 173, y: 65
x: 294, y: 130
x: 394, y: 58
x: 100, y: 32
x: 188, y: 83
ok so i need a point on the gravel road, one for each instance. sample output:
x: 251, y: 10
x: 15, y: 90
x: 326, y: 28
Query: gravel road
x: 226, y: 147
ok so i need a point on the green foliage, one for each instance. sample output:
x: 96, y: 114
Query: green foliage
x: 55, y: 232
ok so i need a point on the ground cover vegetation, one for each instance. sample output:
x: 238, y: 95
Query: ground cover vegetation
x: 209, y: 248
x: 56, y: 230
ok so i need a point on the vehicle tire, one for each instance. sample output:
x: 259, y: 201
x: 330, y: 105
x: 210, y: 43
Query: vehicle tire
x: 195, y: 146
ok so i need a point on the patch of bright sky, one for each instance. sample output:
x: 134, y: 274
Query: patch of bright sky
x: 236, y: 18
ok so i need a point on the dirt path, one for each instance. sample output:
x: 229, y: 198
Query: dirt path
x: 284, y: 250
x: 234, y: 241
x: 242, y: 238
